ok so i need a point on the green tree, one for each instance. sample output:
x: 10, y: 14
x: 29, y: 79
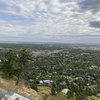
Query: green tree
x: 88, y: 91
x: 9, y: 65
x: 53, y: 85
x: 24, y: 59
x: 34, y: 86
x: 53, y: 91
x: 70, y: 94
x: 67, y: 82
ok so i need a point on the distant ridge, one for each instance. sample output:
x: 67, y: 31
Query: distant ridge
x: 48, y: 43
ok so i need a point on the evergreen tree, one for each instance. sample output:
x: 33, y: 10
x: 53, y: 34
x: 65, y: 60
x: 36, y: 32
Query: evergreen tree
x: 9, y: 65
x: 70, y: 94
x: 53, y: 91
x: 24, y: 58
x: 53, y: 85
x: 58, y: 89
x: 34, y: 86
x: 67, y: 82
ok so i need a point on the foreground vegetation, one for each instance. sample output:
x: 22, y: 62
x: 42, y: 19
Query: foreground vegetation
x: 10, y: 85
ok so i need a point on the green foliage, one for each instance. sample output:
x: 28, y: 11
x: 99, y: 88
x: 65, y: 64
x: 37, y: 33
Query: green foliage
x: 88, y: 91
x: 53, y: 91
x: 15, y: 78
x: 70, y: 99
x: 67, y: 82
x: 59, y: 88
x: 15, y: 64
x: 6, y: 76
x: 53, y: 85
x: 9, y: 65
x: 34, y: 86
x: 70, y: 94
x: 24, y: 58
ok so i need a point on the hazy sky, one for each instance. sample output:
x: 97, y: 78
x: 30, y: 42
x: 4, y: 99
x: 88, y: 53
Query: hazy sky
x: 64, y: 21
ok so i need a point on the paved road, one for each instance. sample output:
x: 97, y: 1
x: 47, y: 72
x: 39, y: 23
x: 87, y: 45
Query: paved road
x: 2, y: 92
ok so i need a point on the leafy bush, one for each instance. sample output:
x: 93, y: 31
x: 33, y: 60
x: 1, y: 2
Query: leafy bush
x: 34, y: 86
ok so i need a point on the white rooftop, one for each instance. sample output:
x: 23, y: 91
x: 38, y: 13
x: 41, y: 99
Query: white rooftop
x: 65, y: 91
x: 46, y: 81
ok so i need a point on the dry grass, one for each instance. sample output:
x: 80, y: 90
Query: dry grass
x: 44, y: 92
x: 10, y: 85
x: 44, y: 89
x: 93, y: 98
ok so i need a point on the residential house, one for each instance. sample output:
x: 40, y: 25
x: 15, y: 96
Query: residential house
x: 65, y: 91
x: 98, y: 95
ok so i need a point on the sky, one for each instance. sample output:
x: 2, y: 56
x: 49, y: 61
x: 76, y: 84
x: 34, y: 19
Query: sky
x: 59, y: 21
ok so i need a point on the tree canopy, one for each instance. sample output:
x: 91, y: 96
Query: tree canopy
x: 9, y: 65
x: 15, y: 63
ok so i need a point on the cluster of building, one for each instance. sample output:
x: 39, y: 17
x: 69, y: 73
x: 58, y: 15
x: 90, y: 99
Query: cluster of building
x: 88, y: 48
x: 95, y: 67
x: 45, y: 52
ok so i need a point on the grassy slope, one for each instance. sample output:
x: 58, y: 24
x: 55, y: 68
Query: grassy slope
x: 10, y: 85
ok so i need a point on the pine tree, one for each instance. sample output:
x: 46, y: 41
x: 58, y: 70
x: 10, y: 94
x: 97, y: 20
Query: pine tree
x: 70, y: 94
x: 34, y: 86
x: 24, y: 58
x: 53, y: 91
x: 9, y: 65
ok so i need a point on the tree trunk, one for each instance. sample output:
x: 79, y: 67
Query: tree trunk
x: 18, y: 77
x: 17, y: 81
x: 19, y: 74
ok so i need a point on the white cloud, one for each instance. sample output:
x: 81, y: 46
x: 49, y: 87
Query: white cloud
x: 47, y: 20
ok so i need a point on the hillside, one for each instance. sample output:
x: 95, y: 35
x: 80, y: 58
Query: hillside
x: 43, y: 92
x: 10, y: 85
